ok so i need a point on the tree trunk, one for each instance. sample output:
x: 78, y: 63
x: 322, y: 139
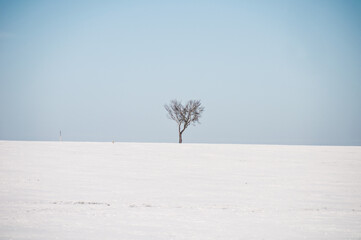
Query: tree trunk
x: 180, y: 137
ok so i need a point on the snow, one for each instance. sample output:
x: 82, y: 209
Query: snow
x: 82, y: 190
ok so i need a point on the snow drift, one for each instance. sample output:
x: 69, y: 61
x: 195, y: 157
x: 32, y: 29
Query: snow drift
x: 74, y: 190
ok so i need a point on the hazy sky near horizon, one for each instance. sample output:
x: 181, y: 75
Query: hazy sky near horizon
x: 267, y: 72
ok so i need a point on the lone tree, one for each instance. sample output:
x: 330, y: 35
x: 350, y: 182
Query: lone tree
x: 184, y: 115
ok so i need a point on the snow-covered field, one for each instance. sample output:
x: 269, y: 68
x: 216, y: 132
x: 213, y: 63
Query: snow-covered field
x: 74, y: 190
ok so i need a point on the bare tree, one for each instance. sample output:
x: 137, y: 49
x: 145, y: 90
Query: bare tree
x: 184, y: 115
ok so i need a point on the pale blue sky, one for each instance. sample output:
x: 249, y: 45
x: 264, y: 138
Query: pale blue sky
x: 268, y: 72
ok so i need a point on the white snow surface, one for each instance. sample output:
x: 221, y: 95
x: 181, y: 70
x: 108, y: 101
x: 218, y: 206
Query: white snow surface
x: 82, y: 190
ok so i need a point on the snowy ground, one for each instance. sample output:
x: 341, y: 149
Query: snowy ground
x: 68, y: 190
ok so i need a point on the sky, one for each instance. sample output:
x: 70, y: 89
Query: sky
x: 267, y: 72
